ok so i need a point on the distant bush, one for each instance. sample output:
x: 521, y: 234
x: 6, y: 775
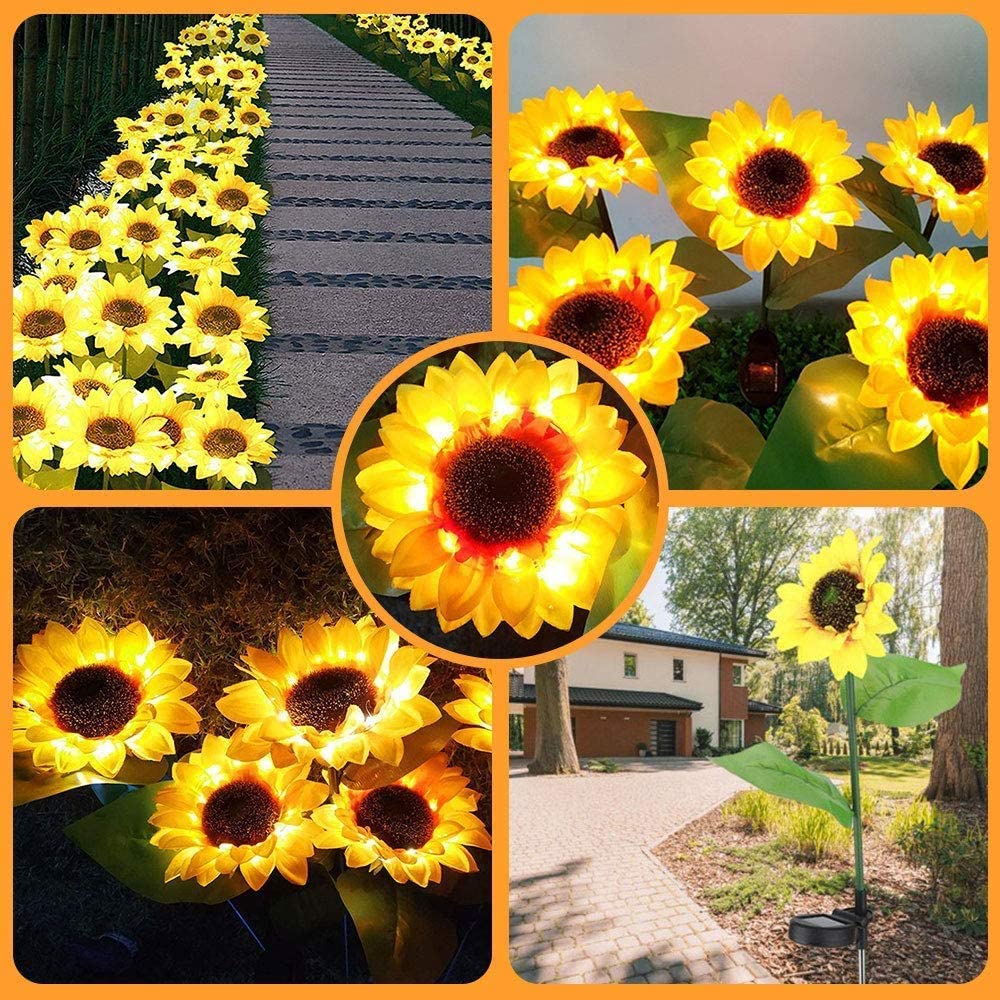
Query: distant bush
x: 756, y: 811
x: 812, y: 833
x: 602, y: 765
x: 703, y: 743
x: 800, y: 733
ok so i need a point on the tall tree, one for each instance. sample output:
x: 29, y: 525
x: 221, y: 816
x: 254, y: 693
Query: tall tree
x: 638, y: 614
x: 555, y: 752
x: 963, y: 640
x: 723, y: 565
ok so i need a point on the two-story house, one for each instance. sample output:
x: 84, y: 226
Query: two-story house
x: 643, y: 687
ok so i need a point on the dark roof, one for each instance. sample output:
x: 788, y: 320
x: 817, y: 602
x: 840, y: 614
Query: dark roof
x: 657, y: 637
x: 611, y: 698
x: 764, y: 707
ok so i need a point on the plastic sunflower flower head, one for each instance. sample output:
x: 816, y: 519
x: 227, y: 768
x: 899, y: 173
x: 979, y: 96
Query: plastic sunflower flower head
x: 232, y: 201
x: 211, y: 116
x: 773, y: 186
x: 253, y: 39
x: 837, y: 610
x: 214, y: 314
x: 128, y: 172
x: 78, y: 381
x: 208, y: 258
x: 90, y: 698
x: 426, y: 43
x: 216, y: 382
x: 483, y: 75
x: 171, y: 415
x: 128, y: 313
x: 947, y: 164
x: 475, y: 710
x: 40, y: 423
x: 249, y: 119
x: 107, y: 206
x: 413, y: 828
x: 219, y: 815
x: 924, y: 336
x: 497, y: 496
x: 83, y: 236
x: 180, y: 189
x: 176, y: 151
x: 47, y: 321
x: 231, y: 151
x: 571, y: 147
x: 174, y: 117
x: 136, y: 131
x: 145, y: 232
x: 173, y: 74
x: 70, y: 275
x: 220, y: 443
x: 337, y: 693
x: 627, y: 309
x: 40, y: 233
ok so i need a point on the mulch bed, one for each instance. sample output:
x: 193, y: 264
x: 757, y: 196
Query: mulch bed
x: 905, y: 946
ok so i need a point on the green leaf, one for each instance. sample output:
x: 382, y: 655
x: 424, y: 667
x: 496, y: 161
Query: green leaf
x: 352, y: 508
x: 978, y: 253
x: 825, y: 439
x: 827, y: 270
x: 30, y: 785
x: 405, y: 938
x: 418, y: 748
x: 534, y: 227
x: 667, y: 139
x: 137, y: 363
x: 264, y: 481
x: 311, y: 913
x: 765, y: 767
x: 47, y: 478
x: 117, y: 838
x: 713, y: 271
x: 708, y: 445
x: 631, y: 551
x: 129, y: 270
x: 900, y: 691
x: 891, y: 204
x: 168, y: 373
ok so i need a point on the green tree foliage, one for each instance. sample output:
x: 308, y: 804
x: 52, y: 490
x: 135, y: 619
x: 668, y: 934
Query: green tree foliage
x: 800, y: 732
x: 638, y: 614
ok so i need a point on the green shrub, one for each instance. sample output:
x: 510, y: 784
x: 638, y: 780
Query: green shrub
x: 869, y: 803
x: 703, y: 742
x: 812, y: 833
x: 799, y: 732
x: 756, y: 811
x: 602, y: 765
x: 954, y: 854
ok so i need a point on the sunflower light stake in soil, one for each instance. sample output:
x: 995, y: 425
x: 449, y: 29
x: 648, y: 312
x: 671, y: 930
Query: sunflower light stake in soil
x: 836, y: 612
x: 339, y: 775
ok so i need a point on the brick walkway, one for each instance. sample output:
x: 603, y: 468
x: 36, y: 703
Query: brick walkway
x: 380, y: 236
x: 588, y: 901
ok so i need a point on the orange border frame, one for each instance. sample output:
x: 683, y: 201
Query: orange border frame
x: 390, y: 380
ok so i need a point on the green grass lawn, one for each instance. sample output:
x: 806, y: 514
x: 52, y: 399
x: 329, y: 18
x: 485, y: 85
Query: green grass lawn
x: 889, y: 776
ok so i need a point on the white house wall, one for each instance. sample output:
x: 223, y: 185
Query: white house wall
x: 601, y: 664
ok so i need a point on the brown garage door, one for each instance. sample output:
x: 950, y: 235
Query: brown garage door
x: 666, y: 738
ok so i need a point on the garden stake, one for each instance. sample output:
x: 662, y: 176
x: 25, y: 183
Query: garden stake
x: 860, y: 893
x: 602, y: 209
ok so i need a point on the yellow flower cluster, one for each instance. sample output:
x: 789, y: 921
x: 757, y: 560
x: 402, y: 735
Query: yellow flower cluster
x: 415, y: 35
x: 336, y: 694
x: 143, y: 343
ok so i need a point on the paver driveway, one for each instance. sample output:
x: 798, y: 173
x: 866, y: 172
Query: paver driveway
x: 589, y: 902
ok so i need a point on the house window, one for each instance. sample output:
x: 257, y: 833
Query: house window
x: 631, y: 665
x: 738, y: 675
x: 730, y: 734
x: 678, y: 670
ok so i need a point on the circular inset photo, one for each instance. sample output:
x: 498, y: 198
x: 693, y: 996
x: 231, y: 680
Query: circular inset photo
x: 499, y: 499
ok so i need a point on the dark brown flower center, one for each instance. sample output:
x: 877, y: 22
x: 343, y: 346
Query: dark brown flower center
x: 85, y: 239
x: 173, y: 72
x: 172, y: 429
x: 774, y: 183
x: 321, y: 699
x: 225, y: 442
x: 498, y: 492
x: 209, y: 114
x: 85, y: 386
x: 95, y: 701
x: 242, y: 812
x: 235, y: 74
x: 144, y: 232
x: 130, y: 169
x: 947, y: 360
x: 182, y: 188
x: 27, y: 420
x: 100, y: 210
x: 960, y: 165
x: 65, y: 281
x: 576, y: 144
x: 111, y: 432
x: 603, y: 325
x: 834, y: 600
x: 173, y: 118
x: 232, y: 199
x: 397, y: 815
x: 251, y: 39
x: 212, y: 377
x: 124, y: 313
x: 205, y: 71
x: 42, y: 323
x: 250, y: 117
x: 43, y: 238
x: 219, y: 321
x: 205, y: 252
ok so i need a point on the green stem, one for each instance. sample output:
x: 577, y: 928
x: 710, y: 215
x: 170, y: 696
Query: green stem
x: 765, y: 293
x: 852, y: 749
x: 932, y: 220
x: 602, y: 209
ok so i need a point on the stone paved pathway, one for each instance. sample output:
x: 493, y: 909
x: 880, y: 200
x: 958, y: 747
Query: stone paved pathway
x: 588, y: 901
x: 380, y: 234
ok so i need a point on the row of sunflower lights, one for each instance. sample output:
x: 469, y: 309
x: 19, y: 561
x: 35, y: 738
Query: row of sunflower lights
x: 132, y: 284
x: 94, y: 706
x: 452, y: 53
x: 762, y: 187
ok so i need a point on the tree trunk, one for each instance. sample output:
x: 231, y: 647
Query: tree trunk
x: 555, y: 752
x: 53, y: 43
x: 29, y: 92
x: 963, y: 640
x: 70, y: 123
